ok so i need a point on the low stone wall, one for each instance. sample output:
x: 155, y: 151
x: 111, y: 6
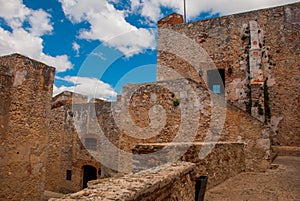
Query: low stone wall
x: 173, y: 182
x: 219, y: 161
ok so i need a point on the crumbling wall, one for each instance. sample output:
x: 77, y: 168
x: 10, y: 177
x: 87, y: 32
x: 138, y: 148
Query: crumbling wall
x: 25, y: 96
x: 259, y: 52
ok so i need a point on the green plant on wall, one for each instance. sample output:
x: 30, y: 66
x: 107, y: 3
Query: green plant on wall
x: 176, y: 102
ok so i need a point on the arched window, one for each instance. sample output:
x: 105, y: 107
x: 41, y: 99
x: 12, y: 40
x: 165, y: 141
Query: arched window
x: 90, y: 143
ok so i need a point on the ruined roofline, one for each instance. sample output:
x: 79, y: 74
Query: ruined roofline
x: 283, y: 6
x: 72, y: 98
x: 68, y: 103
x: 76, y: 95
x: 18, y: 55
x: 68, y: 93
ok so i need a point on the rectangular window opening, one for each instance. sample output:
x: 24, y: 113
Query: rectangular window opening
x: 69, y: 175
x: 216, y: 81
x: 91, y: 143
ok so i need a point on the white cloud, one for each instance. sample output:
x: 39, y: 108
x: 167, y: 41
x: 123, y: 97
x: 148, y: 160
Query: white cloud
x: 107, y: 24
x: 135, y: 4
x: 28, y: 41
x: 76, y: 48
x: 151, y: 9
x: 92, y: 87
x: 14, y: 12
x: 40, y: 23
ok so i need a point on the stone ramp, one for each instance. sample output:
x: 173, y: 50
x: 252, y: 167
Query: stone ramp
x: 282, y: 183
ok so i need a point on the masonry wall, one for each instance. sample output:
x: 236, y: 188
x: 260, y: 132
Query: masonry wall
x: 259, y: 52
x: 54, y: 175
x: 201, y: 116
x: 25, y: 95
x: 70, y: 125
x: 162, y: 184
x: 177, y: 111
x: 172, y: 181
x: 218, y: 161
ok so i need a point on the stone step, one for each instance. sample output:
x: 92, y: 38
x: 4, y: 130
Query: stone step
x: 286, y: 150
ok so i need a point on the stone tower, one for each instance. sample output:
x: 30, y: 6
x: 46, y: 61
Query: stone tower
x: 25, y: 94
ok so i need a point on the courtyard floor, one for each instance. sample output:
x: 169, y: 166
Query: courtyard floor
x: 282, y: 183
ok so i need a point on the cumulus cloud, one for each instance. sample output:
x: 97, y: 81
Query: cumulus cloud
x: 108, y: 25
x: 40, y: 23
x: 92, y: 87
x: 27, y: 40
x: 151, y: 9
x: 76, y: 48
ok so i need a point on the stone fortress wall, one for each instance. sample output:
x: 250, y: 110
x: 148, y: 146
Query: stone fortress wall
x: 96, y: 139
x: 123, y: 123
x: 25, y: 97
x: 258, y: 52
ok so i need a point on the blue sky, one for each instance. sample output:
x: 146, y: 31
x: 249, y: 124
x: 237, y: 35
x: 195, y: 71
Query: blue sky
x: 97, y: 46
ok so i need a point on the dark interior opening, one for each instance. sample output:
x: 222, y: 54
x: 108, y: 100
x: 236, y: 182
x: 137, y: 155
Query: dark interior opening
x: 69, y: 175
x: 89, y: 173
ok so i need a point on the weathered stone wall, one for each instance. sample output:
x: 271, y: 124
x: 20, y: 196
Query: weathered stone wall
x: 173, y: 181
x: 25, y: 97
x: 179, y: 111
x: 67, y: 152
x: 166, y: 111
x: 54, y: 175
x: 259, y: 52
x: 167, y: 183
x: 218, y: 161
x: 70, y: 125
x: 241, y: 127
x: 201, y: 116
x: 171, y: 20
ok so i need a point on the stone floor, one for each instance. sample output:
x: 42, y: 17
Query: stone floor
x: 282, y: 183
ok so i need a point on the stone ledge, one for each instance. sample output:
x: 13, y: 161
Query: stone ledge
x: 286, y: 150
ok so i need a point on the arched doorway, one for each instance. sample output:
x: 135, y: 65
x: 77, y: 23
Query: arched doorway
x: 89, y: 173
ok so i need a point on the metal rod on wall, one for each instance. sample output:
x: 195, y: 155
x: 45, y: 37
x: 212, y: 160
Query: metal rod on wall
x: 184, y: 10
